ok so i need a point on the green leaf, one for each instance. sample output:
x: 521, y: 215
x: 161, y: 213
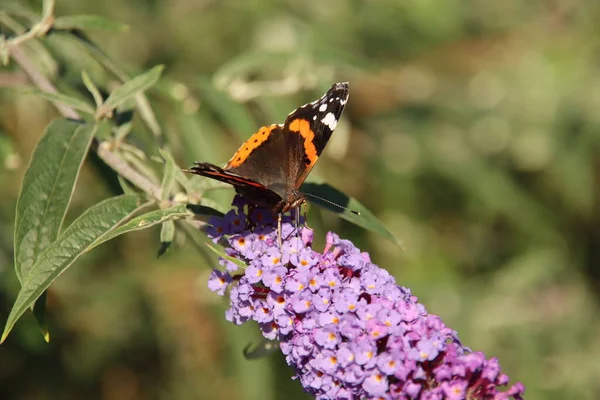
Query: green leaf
x: 8, y: 152
x: 126, y: 186
x: 4, y: 52
x: 169, y: 175
x: 144, y: 110
x: 80, y: 237
x: 86, y: 22
x: 131, y: 88
x: 130, y: 155
x: 196, y: 183
x: 218, y: 250
x: 91, y: 87
x: 39, y: 312
x: 263, y: 349
x: 220, y: 208
x: 45, y: 195
x: 47, y: 189
x: 65, y: 99
x: 204, y: 210
x: 147, y: 220
x: 167, y: 233
x: 187, y: 184
x: 21, y: 10
x: 344, y: 206
x: 122, y: 131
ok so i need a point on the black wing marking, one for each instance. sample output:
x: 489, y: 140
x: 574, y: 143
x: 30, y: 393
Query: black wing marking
x: 313, y: 125
x: 323, y: 114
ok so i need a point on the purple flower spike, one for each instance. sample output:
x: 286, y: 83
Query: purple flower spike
x: 344, y: 325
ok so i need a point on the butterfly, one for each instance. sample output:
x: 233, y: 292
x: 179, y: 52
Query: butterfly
x: 270, y: 167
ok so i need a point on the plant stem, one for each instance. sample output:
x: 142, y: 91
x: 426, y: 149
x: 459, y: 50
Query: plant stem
x: 111, y: 158
x: 40, y: 80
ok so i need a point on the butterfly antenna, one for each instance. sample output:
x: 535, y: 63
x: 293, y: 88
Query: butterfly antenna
x: 332, y: 203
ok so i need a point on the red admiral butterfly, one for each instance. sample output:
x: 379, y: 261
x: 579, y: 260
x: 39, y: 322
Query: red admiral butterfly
x: 269, y: 168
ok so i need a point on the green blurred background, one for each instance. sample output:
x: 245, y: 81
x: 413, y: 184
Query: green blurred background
x: 472, y: 132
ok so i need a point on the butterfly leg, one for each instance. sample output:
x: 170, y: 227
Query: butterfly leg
x: 279, y: 215
x: 306, y: 214
x: 249, y: 223
x: 296, y: 230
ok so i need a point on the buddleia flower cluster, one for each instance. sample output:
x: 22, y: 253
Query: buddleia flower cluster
x: 344, y: 325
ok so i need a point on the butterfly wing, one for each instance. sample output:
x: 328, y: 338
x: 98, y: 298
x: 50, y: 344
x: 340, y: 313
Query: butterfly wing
x: 251, y: 189
x: 309, y: 129
x: 263, y: 158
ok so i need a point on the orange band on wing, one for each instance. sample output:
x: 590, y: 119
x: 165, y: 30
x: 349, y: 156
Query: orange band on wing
x: 249, y: 145
x: 302, y: 126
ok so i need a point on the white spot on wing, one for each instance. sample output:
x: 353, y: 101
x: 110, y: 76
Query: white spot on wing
x: 323, y: 107
x: 330, y: 121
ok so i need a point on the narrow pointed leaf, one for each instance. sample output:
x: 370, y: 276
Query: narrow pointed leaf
x: 198, y: 184
x: 265, y: 348
x: 45, y: 195
x: 87, y: 22
x: 47, y: 189
x: 126, y: 186
x: 147, y: 115
x: 130, y: 88
x: 39, y: 312
x: 91, y: 87
x: 343, y: 205
x: 123, y: 130
x: 66, y: 100
x: 78, y: 238
x: 147, y: 220
x: 169, y: 175
x: 218, y: 250
x: 167, y: 233
x: 201, y: 209
x: 215, y: 205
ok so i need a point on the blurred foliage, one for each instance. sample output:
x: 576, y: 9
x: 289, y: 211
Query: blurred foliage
x: 472, y: 131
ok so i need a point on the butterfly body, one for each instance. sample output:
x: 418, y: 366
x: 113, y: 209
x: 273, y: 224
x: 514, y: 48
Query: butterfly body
x: 269, y: 168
